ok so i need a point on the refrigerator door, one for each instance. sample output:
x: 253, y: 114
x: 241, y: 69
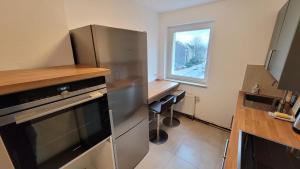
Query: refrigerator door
x: 131, y: 147
x: 125, y: 53
x: 83, y: 46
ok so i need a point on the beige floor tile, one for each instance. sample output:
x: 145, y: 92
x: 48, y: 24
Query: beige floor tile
x: 155, y: 159
x: 192, y: 145
x: 178, y: 163
x: 204, y: 159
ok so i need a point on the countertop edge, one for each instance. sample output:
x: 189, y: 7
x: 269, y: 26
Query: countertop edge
x: 65, y: 74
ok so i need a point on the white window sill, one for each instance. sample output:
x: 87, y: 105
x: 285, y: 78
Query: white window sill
x: 188, y: 83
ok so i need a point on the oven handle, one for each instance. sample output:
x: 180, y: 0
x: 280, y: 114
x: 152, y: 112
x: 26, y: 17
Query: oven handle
x: 55, y: 107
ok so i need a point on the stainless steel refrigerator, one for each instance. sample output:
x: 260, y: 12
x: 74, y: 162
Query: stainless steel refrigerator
x: 125, y: 53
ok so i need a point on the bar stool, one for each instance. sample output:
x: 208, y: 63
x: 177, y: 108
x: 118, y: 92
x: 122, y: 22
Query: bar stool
x: 159, y: 136
x: 173, y: 121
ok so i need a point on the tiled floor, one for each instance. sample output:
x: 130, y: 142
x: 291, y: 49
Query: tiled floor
x: 192, y: 145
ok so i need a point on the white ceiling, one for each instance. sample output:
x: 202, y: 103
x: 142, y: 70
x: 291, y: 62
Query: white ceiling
x: 169, y: 5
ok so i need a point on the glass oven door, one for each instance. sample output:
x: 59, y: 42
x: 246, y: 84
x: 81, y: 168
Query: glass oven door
x: 49, y: 136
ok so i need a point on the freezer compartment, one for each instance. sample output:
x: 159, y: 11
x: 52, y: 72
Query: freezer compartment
x: 131, y: 147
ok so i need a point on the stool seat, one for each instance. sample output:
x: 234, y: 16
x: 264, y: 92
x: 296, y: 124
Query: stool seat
x: 159, y: 136
x: 177, y: 97
x: 155, y: 107
x: 168, y: 97
x: 167, y: 102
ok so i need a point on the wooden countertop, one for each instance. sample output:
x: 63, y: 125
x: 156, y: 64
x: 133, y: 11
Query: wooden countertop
x: 159, y: 87
x: 20, y: 80
x: 258, y: 123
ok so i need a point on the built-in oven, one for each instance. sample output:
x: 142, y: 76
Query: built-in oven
x: 46, y: 128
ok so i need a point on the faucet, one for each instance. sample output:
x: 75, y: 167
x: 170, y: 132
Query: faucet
x: 255, y: 89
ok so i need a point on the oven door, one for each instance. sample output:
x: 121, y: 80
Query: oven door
x: 49, y: 136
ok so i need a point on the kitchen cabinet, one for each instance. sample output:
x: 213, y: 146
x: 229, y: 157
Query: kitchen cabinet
x: 98, y: 157
x: 277, y: 28
x: 284, y: 51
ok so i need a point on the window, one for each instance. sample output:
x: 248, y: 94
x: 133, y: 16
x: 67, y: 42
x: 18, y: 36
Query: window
x: 188, y: 52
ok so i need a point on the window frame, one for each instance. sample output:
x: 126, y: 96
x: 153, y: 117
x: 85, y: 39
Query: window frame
x: 170, y: 52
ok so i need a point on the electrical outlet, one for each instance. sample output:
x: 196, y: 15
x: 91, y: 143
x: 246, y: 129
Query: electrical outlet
x: 197, y: 98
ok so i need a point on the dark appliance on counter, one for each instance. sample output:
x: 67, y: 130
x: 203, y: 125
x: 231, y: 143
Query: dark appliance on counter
x: 124, y: 52
x: 258, y: 153
x: 283, y: 58
x: 46, y: 128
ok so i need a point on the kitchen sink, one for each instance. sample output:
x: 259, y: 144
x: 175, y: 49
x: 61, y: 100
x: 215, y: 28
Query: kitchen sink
x: 261, y: 102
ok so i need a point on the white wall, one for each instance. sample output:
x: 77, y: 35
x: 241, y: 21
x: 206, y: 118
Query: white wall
x: 121, y: 14
x: 241, y: 35
x: 33, y: 34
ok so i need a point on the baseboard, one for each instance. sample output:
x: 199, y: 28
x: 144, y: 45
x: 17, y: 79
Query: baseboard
x: 203, y: 121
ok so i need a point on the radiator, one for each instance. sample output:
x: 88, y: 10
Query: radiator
x: 187, y: 105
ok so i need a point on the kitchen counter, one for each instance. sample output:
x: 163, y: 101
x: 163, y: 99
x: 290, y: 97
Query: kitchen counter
x: 158, y: 88
x: 258, y: 123
x: 20, y: 80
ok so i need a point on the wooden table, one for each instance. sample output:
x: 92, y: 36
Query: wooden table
x: 258, y: 123
x: 159, y: 88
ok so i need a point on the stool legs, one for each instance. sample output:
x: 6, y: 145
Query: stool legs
x: 157, y: 126
x: 172, y: 113
x: 158, y: 136
x: 171, y: 121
